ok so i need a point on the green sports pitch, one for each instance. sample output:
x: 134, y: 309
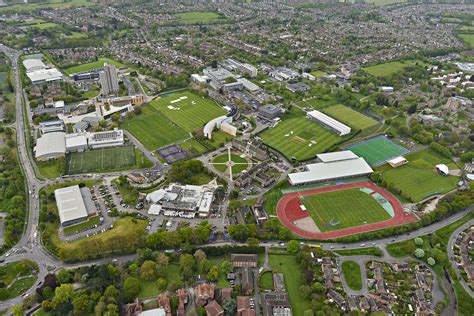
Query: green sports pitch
x: 299, y: 137
x: 342, y: 209
x: 377, y: 150
x: 418, y: 179
x: 153, y: 129
x: 349, y: 116
x: 188, y: 110
x: 101, y: 160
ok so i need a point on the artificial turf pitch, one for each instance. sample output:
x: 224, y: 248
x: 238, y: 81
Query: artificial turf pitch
x: 377, y: 150
x: 100, y: 160
x: 342, y: 209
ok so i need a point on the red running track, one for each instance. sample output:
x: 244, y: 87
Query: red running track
x: 288, y: 210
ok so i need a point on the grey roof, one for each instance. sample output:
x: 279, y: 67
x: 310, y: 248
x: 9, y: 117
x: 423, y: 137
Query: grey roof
x: 337, y: 155
x: 51, y: 144
x: 70, y: 203
x: 331, y: 170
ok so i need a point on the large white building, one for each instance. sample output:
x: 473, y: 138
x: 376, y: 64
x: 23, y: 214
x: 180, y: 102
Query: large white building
x: 109, y: 79
x: 332, y: 166
x: 105, y: 139
x: 38, y: 72
x: 50, y: 146
x: 243, y: 67
x: 71, y: 206
x: 340, y: 128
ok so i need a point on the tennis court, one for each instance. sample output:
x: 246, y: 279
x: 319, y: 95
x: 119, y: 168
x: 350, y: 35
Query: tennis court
x: 377, y: 150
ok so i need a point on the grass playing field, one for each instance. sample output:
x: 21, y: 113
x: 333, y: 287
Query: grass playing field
x: 91, y: 66
x: 349, y: 116
x: 377, y: 150
x: 193, y: 147
x: 29, y: 7
x: 468, y: 38
x: 294, y: 135
x: 191, y: 112
x: 385, y: 2
x: 197, y: 17
x: 385, y: 69
x: 317, y: 103
x: 345, y: 208
x: 153, y: 129
x: 241, y: 163
x: 104, y: 159
x: 417, y: 179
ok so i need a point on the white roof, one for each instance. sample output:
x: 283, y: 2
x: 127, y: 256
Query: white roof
x: 329, y: 121
x: 249, y: 85
x: 50, y: 144
x: 160, y: 194
x: 153, y: 312
x: 331, y: 170
x: 59, y: 104
x: 70, y: 203
x: 76, y: 140
x: 443, y: 168
x: 33, y: 64
x: 45, y: 75
x: 154, y: 209
x: 397, y: 160
x: 337, y: 155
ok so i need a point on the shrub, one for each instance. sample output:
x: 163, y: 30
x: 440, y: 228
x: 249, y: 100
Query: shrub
x: 419, y: 253
x: 419, y: 241
x: 431, y: 261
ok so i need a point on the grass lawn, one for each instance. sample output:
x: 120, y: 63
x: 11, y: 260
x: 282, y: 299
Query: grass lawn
x: 75, y: 228
x: 317, y: 103
x: 349, y: 116
x: 345, y: 208
x: 152, y: 129
x: 91, y: 66
x: 418, y: 179
x: 51, y: 169
x: 368, y: 251
x: 149, y: 289
x: 468, y: 38
x: 193, y: 147
x: 17, y: 277
x: 128, y: 193
x: 318, y: 73
x: 102, y: 160
x: 43, y: 26
x: 266, y: 280
x: 293, y: 275
x: 352, y: 275
x: 294, y: 135
x: 385, y: 2
x: 241, y: 163
x: 29, y: 7
x: 217, y: 261
x: 195, y: 17
x: 377, y: 150
x: 385, y: 69
x: 190, y: 112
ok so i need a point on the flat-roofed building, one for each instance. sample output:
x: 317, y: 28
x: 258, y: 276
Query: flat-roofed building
x: 76, y: 142
x: 106, y: 139
x: 336, y: 166
x: 50, y: 146
x: 397, y: 161
x: 71, y: 206
x: 51, y: 126
x: 327, y: 121
x: 269, y: 111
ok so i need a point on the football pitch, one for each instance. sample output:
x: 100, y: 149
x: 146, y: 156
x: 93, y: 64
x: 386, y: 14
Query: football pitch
x: 342, y: 209
x: 385, y: 69
x: 153, y: 130
x: 100, y: 160
x: 417, y: 179
x: 299, y: 137
x: 91, y: 66
x: 349, y: 116
x: 188, y: 110
x: 377, y: 150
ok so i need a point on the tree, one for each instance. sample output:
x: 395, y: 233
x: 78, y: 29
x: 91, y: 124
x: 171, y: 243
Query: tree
x: 199, y: 255
x: 226, y: 267
x: 148, y: 270
x: 82, y: 304
x: 213, y: 274
x: 115, y: 117
x: 111, y: 294
x: 431, y: 261
x: 253, y: 242
x: 293, y: 246
x: 418, y: 241
x: 419, y: 253
x: 229, y: 305
x: 131, y: 288
x: 64, y: 276
x: 161, y: 284
x: 17, y: 310
x: 439, y: 255
x: 62, y: 294
x: 318, y: 288
x: 186, y: 265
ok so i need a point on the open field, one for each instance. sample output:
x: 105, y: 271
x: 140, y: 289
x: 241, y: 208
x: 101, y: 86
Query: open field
x: 104, y: 159
x: 351, y: 271
x: 241, y: 163
x: 193, y: 147
x: 349, y: 116
x: 298, y: 137
x: 345, y: 208
x: 17, y: 277
x: 385, y: 2
x: 197, y: 17
x: 74, y: 228
x: 149, y: 288
x: 293, y: 275
x: 91, y: 66
x: 468, y: 38
x: 191, y: 112
x: 266, y: 280
x: 43, y: 26
x: 152, y: 129
x: 418, y: 179
x: 29, y: 7
x: 385, y: 69
x: 377, y: 150
x: 317, y: 103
